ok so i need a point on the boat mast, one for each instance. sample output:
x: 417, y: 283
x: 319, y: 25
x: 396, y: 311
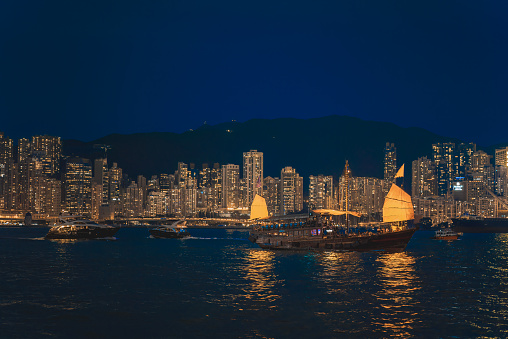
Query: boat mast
x: 346, y: 178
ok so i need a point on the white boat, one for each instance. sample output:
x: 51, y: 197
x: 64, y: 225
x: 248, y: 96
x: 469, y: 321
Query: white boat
x: 446, y: 234
x: 74, y: 228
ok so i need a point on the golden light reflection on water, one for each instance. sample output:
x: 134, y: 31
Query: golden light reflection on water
x: 258, y: 273
x: 398, y: 283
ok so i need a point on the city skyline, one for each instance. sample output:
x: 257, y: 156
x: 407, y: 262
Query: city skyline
x: 36, y: 176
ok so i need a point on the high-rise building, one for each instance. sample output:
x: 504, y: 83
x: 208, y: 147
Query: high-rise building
x: 463, y: 159
x: 253, y: 175
x: 166, y: 182
x: 321, y: 192
x: 101, y: 177
x: 291, y: 191
x: 502, y: 180
x: 78, y: 186
x: 6, y: 162
x: 443, y: 155
x: 501, y: 158
x: 132, y: 201
x: 366, y: 195
x: 272, y: 195
x: 24, y: 149
x: 390, y: 163
x: 230, y: 186
x: 115, y: 182
x: 424, y: 181
x: 49, y: 150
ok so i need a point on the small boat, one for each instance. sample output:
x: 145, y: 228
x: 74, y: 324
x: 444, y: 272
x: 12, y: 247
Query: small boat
x: 177, y: 230
x: 446, y: 234
x: 80, y: 229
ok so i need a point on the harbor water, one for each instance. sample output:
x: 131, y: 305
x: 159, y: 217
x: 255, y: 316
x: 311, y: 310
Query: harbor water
x: 219, y: 285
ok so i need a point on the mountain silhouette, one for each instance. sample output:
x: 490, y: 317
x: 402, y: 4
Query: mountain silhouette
x: 311, y: 146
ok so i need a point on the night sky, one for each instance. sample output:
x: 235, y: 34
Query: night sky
x: 85, y: 69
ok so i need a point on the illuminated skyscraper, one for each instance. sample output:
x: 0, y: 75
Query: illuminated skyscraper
x: 230, y: 186
x: 253, y: 174
x: 390, y: 163
x: 424, y: 182
x: 443, y: 155
x: 115, y: 182
x: 291, y: 198
x: 502, y: 157
x: 463, y: 159
x: 78, y: 186
x: 101, y: 178
x: 321, y: 193
x: 24, y: 149
x: 272, y: 195
x: 49, y: 150
x: 6, y: 162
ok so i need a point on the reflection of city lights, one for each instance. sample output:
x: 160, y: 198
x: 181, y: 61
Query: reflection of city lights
x: 261, y: 282
x: 399, y: 283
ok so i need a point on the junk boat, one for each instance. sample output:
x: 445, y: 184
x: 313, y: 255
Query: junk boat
x: 446, y: 234
x: 74, y: 228
x: 318, y: 232
x: 176, y: 230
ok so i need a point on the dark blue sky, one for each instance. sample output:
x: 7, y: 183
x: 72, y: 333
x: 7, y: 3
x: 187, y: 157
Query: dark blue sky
x: 85, y: 69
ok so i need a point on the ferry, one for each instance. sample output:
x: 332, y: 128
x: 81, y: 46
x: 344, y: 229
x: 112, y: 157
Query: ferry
x: 446, y: 234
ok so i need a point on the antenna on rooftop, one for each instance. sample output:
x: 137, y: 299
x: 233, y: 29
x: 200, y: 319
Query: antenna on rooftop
x: 103, y: 147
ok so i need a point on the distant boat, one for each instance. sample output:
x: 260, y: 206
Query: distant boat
x: 446, y: 234
x: 318, y: 233
x: 477, y: 224
x: 73, y: 228
x: 176, y: 230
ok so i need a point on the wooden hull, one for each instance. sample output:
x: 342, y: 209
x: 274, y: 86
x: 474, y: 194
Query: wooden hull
x: 395, y: 241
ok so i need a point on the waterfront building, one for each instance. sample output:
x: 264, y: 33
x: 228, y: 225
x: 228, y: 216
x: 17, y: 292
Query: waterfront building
x: 367, y: 195
x: 133, y: 201
x: 49, y: 150
x: 390, y: 162
x: 321, y: 192
x: 482, y: 169
x: 501, y: 180
x: 97, y: 200
x: 272, y: 193
x: 424, y: 183
x: 101, y: 177
x: 78, y: 186
x: 443, y: 155
x: 230, y: 186
x: 157, y: 204
x: 52, y: 197
x: 463, y: 159
x: 115, y: 182
x: 291, y: 191
x: 6, y: 162
x: 439, y: 209
x: 253, y: 175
